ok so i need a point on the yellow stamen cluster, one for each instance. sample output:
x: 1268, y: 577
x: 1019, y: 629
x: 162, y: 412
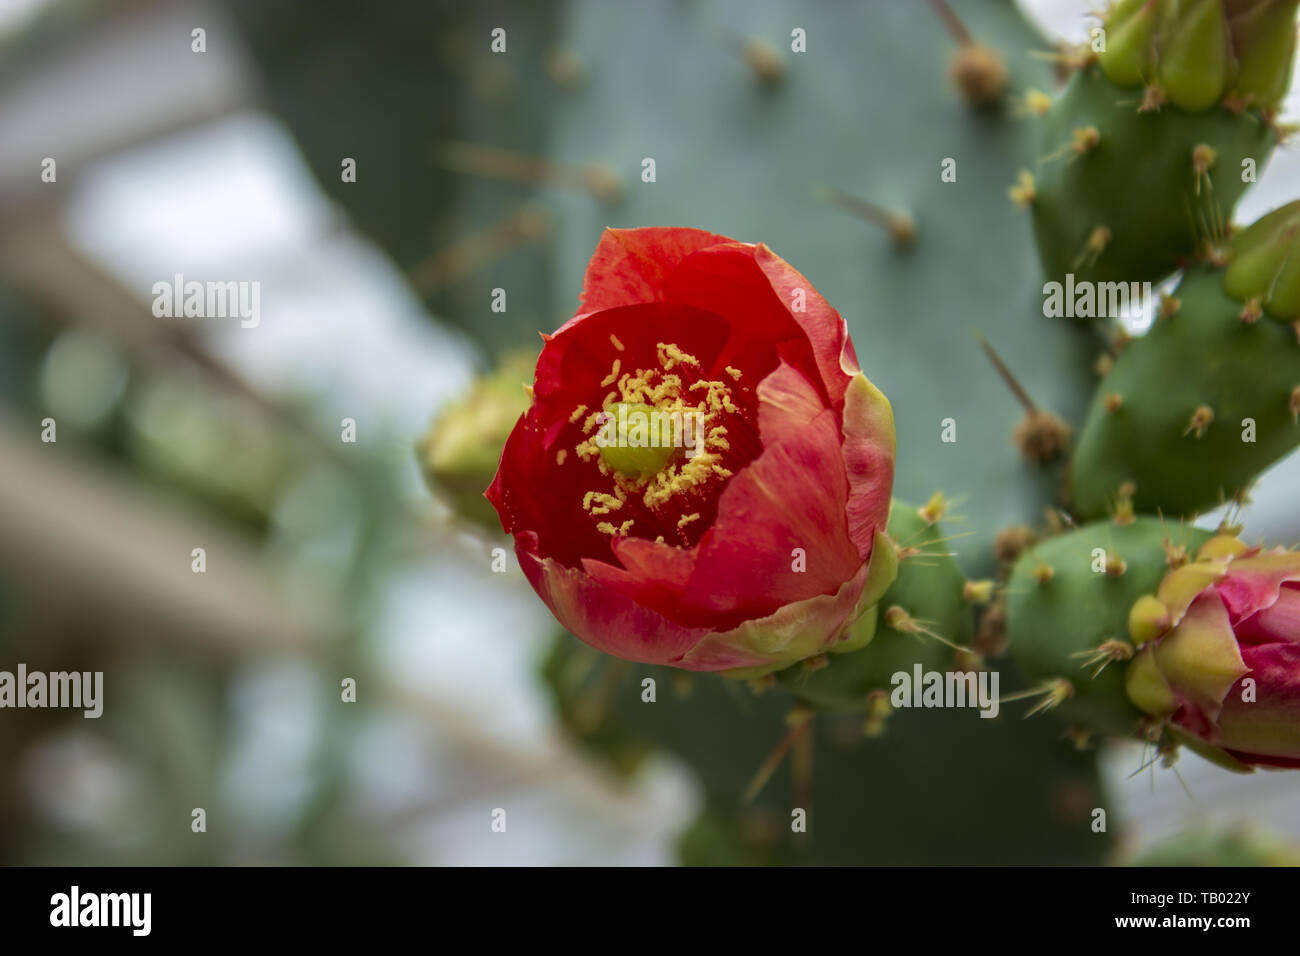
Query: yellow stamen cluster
x: 703, y: 402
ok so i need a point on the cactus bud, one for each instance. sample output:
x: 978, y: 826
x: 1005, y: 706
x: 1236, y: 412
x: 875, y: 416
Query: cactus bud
x: 1231, y: 615
x: 459, y: 453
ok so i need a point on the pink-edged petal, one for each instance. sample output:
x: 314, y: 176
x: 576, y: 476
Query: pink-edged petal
x: 790, y: 497
x: 869, y: 448
x: 604, y: 618
x: 1252, y: 584
x: 1269, y: 726
x: 615, y: 624
x: 1277, y: 624
x: 631, y: 265
x: 789, y: 635
x: 788, y: 401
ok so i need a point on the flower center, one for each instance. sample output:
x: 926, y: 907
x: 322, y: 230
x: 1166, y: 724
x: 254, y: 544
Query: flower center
x: 658, y: 440
x: 638, y: 440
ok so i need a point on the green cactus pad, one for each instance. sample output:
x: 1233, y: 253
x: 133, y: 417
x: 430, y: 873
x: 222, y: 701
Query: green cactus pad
x: 1264, y: 265
x: 1147, y: 155
x: 1202, y: 357
x: 1199, y: 52
x: 929, y: 588
x: 1055, y: 617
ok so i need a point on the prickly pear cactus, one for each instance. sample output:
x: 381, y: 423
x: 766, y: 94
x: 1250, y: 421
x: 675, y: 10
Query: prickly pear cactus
x: 735, y: 116
x: 1196, y: 408
x: 1068, y: 603
x: 925, y: 618
x: 1177, y: 110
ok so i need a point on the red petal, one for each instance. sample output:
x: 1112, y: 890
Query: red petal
x: 630, y: 265
x: 1279, y: 623
x: 791, y: 496
x: 826, y: 329
x: 1252, y: 584
x: 602, y: 617
x: 792, y: 633
x: 787, y: 403
x: 614, y: 623
x: 727, y: 280
x: 653, y: 574
x: 531, y: 491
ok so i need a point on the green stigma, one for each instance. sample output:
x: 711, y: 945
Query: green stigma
x: 636, y: 440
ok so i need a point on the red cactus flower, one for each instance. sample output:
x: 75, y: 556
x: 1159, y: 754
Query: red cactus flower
x: 1221, y: 653
x: 704, y: 475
